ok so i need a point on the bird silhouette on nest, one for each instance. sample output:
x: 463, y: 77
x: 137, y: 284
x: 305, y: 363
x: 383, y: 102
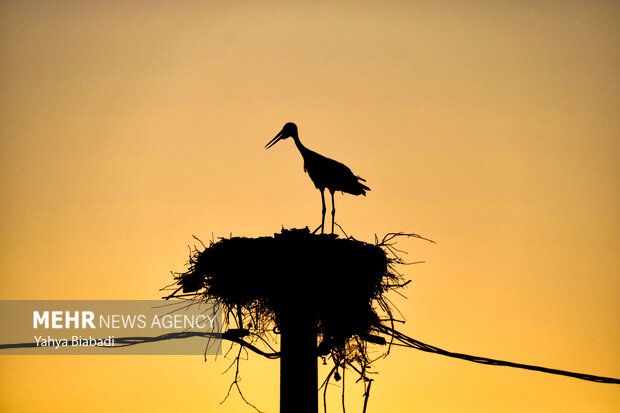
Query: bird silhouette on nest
x: 324, y: 172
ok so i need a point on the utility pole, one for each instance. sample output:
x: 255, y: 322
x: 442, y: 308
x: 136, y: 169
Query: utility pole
x: 298, y: 357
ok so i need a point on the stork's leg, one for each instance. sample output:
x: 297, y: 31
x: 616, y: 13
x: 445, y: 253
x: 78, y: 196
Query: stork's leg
x: 333, y: 211
x: 323, y: 212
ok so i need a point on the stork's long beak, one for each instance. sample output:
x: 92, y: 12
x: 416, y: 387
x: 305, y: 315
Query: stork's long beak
x: 274, y: 140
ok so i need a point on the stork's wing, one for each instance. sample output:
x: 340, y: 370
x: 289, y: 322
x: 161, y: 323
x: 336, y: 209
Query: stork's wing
x: 335, y: 176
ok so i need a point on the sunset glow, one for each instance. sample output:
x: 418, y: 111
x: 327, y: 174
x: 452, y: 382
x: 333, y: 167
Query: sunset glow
x: 489, y: 127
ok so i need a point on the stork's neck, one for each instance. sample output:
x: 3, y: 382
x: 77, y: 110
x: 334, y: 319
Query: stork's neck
x: 302, y: 149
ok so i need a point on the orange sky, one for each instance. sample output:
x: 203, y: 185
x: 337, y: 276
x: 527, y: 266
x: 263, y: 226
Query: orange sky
x: 491, y: 127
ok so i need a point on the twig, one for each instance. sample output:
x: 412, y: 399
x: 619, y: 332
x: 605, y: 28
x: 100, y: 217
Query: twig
x: 341, y: 229
x: 366, y: 394
x: 344, y: 370
x: 325, y: 384
x: 235, y: 383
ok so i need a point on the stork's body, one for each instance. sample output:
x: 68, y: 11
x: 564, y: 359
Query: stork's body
x: 324, y: 172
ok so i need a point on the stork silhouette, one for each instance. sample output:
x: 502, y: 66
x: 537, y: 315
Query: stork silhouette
x: 324, y: 172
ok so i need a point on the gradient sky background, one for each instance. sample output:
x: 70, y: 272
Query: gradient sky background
x: 491, y: 127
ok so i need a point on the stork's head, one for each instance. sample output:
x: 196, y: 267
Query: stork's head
x: 289, y: 130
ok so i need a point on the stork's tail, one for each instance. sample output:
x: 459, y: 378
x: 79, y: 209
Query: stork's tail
x: 359, y: 187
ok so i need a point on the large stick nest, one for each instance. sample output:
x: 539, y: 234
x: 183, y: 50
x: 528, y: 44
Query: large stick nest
x: 341, y: 281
